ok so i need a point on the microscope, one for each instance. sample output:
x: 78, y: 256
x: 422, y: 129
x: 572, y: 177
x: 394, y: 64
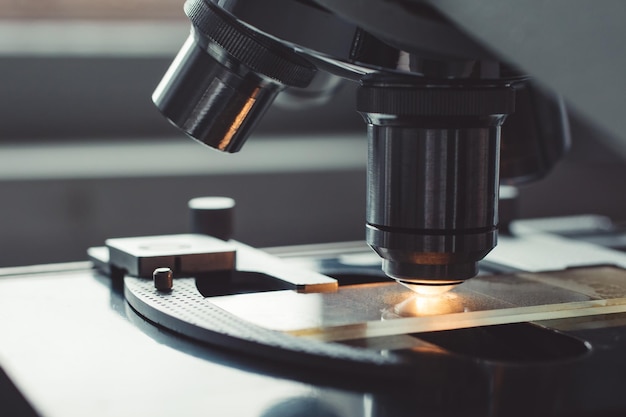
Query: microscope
x: 492, y: 323
x: 447, y: 120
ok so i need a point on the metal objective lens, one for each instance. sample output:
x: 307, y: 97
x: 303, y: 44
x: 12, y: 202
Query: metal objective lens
x: 432, y: 176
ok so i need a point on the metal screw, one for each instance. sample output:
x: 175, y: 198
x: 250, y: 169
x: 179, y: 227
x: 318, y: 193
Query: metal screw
x: 163, y: 279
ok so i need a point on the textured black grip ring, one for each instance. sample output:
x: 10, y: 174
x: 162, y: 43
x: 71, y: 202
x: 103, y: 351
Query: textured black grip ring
x: 433, y: 100
x: 258, y: 52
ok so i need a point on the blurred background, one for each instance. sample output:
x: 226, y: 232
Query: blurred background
x: 84, y: 154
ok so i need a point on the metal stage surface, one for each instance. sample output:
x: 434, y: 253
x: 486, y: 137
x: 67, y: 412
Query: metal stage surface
x: 542, y: 331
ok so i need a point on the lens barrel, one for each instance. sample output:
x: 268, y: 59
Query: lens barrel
x: 225, y: 77
x: 432, y: 175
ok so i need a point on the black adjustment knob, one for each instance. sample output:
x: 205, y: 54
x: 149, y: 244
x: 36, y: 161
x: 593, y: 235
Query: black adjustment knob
x: 212, y: 216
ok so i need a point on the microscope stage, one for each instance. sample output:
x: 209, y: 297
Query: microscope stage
x: 369, y: 325
x: 80, y: 342
x: 378, y: 327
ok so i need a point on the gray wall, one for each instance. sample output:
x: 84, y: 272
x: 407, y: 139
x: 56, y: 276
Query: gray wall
x: 46, y: 221
x: 102, y: 97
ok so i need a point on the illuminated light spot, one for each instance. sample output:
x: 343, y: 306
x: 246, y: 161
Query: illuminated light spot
x: 429, y: 289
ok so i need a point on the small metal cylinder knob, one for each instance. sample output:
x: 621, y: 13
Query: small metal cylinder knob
x: 212, y: 216
x: 163, y: 279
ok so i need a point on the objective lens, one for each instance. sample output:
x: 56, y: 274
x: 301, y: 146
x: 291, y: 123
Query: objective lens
x: 432, y: 176
x: 225, y: 77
